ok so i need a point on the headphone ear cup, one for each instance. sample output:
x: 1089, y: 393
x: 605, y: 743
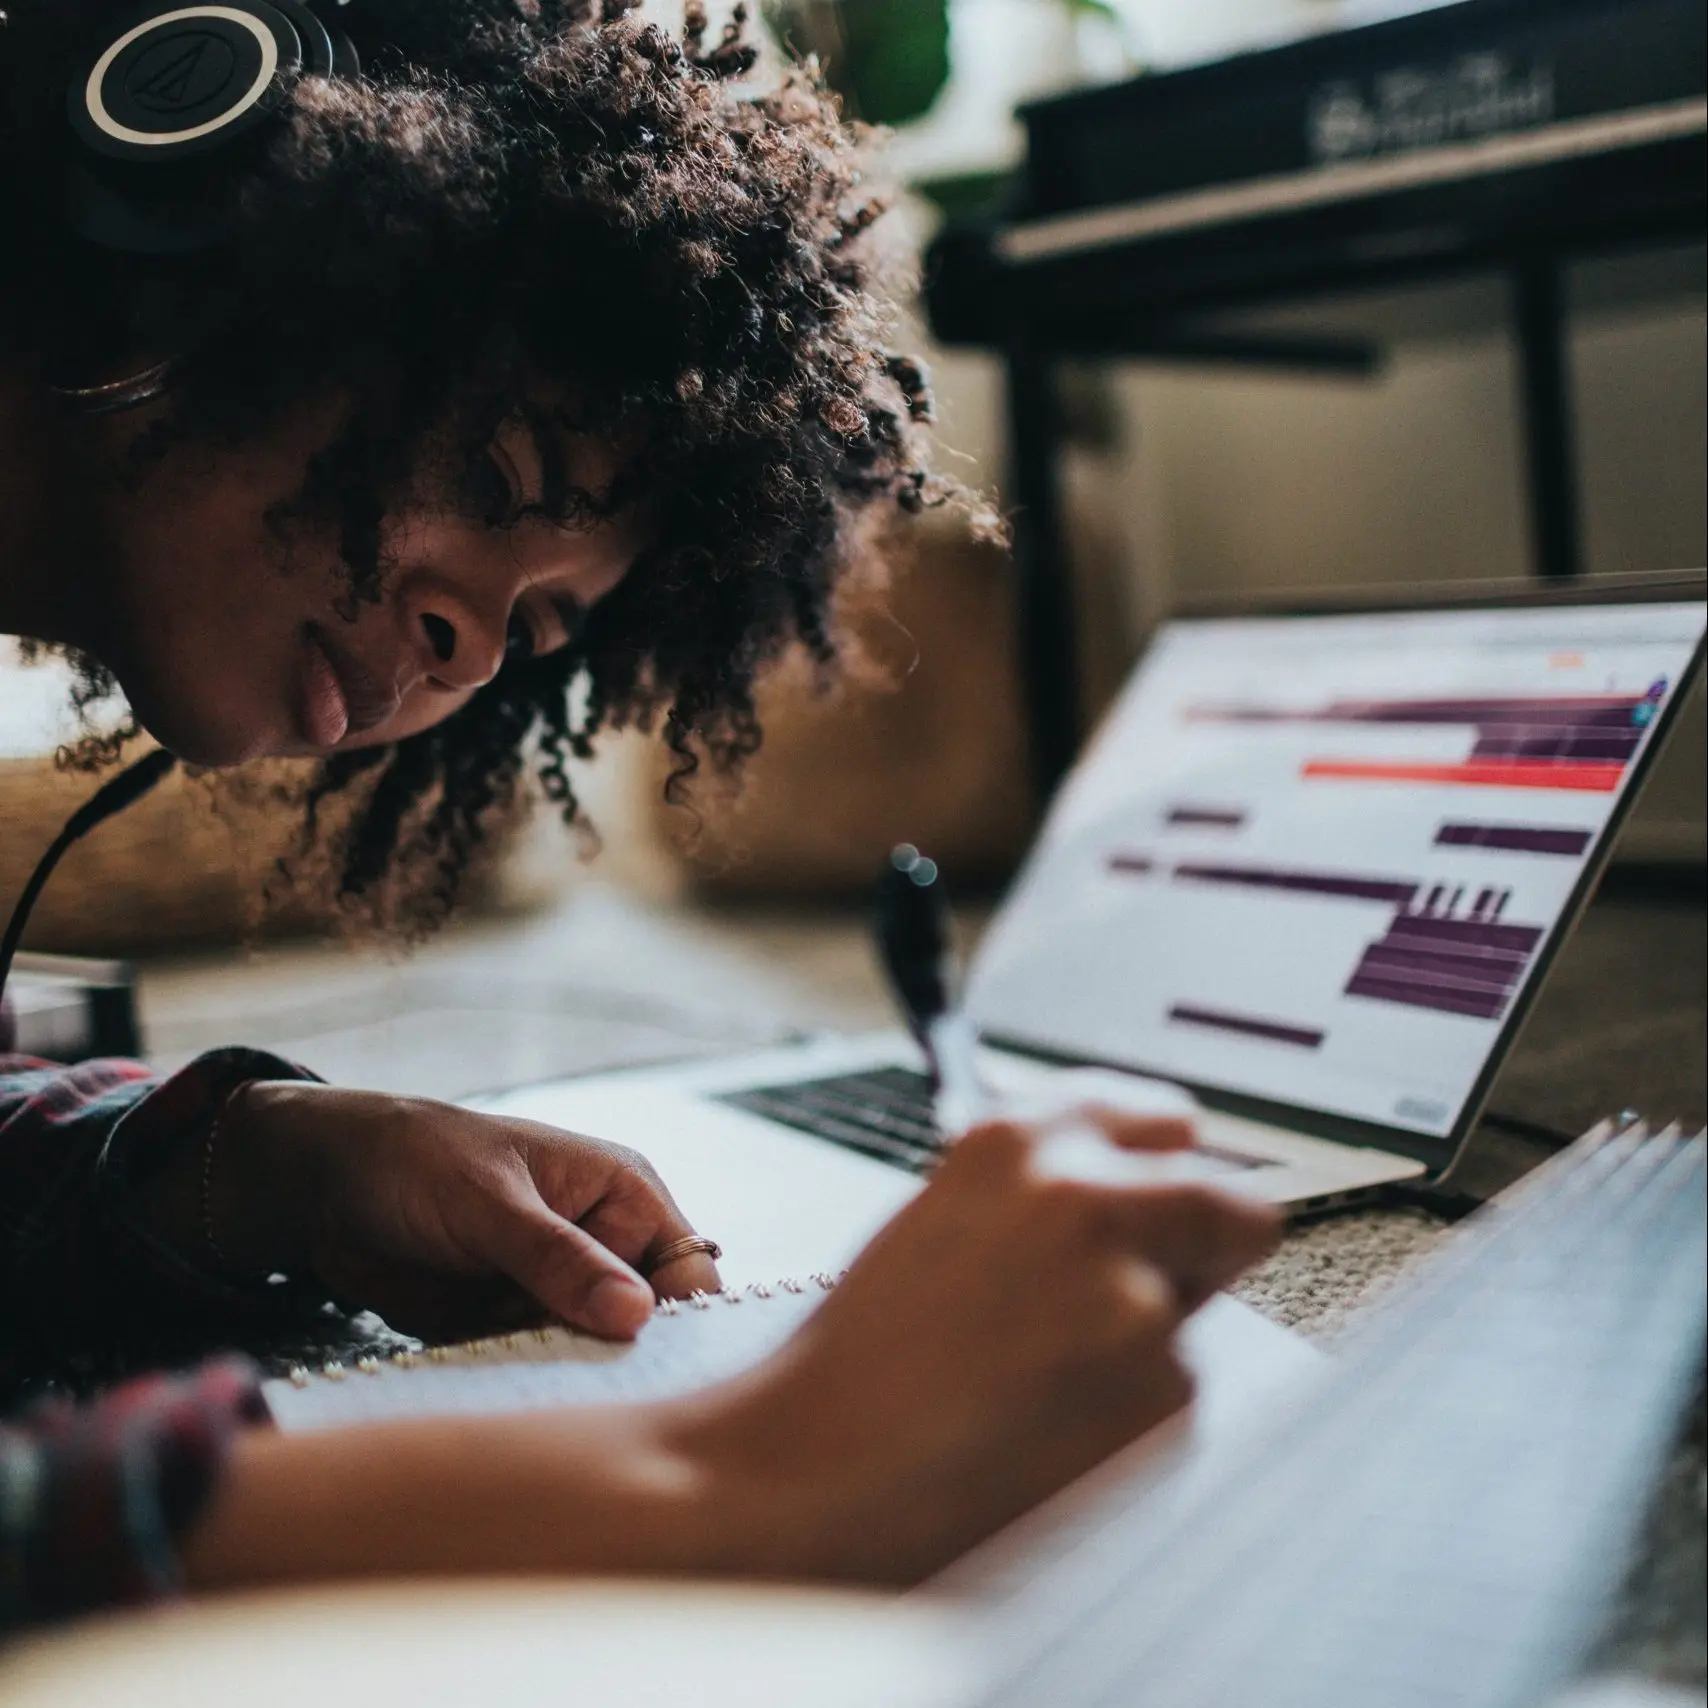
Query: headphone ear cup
x: 320, y: 56
x: 346, y: 62
x: 174, y: 86
x: 169, y: 102
x: 327, y: 52
x: 155, y: 111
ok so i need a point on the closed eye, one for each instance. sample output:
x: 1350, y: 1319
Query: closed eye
x: 571, y: 615
x: 519, y: 638
x: 554, y: 475
x: 530, y: 637
x: 496, y: 489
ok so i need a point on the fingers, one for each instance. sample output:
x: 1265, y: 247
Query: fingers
x: 1168, y: 1388
x: 693, y: 1273
x: 1199, y: 1237
x: 640, y: 1220
x: 570, y: 1272
x: 615, y: 1195
x: 1142, y: 1132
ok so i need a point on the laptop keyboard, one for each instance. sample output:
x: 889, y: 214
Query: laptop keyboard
x: 886, y: 1112
x: 882, y: 1112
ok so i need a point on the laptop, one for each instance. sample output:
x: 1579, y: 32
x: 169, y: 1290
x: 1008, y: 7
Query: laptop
x: 1309, y: 873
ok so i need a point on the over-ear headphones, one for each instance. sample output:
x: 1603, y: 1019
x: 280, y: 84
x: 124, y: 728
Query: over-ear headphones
x: 168, y: 104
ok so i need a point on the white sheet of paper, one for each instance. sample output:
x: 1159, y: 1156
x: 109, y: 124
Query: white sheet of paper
x: 758, y: 1206
x: 1238, y: 1357
x: 547, y: 1368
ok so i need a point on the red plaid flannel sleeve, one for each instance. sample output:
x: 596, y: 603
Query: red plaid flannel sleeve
x: 82, y: 1278
x: 93, y: 1498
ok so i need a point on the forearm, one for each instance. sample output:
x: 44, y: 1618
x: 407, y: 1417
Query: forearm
x: 933, y: 1397
x: 601, y: 1490
x: 779, y: 1474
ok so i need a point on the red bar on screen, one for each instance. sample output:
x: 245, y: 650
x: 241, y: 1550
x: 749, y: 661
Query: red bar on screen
x: 1588, y: 775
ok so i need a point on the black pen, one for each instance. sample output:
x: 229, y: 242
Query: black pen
x: 914, y: 946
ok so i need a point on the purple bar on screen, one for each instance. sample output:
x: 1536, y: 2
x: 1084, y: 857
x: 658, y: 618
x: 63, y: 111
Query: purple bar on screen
x: 1455, y: 966
x: 1592, y: 711
x: 1302, y: 883
x: 1469, y: 976
x: 1132, y: 864
x: 1558, y: 744
x: 1306, y: 1037
x: 1412, y: 930
x: 1515, y: 838
x: 1474, y: 1005
x: 1569, y: 712
x: 1218, y: 818
x: 1492, y: 966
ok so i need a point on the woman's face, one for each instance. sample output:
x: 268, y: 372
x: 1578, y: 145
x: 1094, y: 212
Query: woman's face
x: 227, y: 637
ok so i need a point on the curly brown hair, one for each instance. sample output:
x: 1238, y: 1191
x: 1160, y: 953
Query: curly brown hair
x: 523, y: 199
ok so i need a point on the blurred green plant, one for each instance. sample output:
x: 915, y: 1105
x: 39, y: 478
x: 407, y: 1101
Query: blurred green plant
x: 966, y: 195
x: 888, y: 59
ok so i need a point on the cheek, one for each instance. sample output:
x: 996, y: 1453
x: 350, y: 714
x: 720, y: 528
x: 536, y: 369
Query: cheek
x: 202, y: 620
x: 193, y: 535
x: 202, y: 554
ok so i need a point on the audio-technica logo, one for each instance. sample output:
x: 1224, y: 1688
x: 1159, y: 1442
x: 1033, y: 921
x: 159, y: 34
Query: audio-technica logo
x: 178, y: 80
x: 187, y: 70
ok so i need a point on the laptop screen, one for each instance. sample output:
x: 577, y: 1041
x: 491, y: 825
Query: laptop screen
x: 1316, y: 860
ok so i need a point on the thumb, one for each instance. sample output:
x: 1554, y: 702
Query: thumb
x: 571, y: 1273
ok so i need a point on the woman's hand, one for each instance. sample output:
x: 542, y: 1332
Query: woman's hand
x: 444, y: 1221
x: 1001, y: 1336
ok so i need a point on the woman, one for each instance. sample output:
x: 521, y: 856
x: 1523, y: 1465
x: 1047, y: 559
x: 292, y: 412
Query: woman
x: 534, y: 355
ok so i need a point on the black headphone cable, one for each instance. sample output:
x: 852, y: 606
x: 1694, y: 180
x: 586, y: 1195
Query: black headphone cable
x: 112, y: 797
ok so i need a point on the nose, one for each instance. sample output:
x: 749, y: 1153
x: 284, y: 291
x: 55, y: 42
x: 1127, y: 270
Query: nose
x: 462, y: 647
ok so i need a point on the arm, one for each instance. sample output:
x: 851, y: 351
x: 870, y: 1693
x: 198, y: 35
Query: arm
x: 93, y: 1273
x: 1002, y: 1335
x: 141, y: 1217
x: 105, y: 1265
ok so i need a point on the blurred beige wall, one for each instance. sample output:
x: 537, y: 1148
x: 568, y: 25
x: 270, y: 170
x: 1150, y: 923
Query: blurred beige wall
x: 1223, y: 480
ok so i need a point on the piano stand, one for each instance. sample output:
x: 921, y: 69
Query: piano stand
x: 1189, y: 215
x: 1044, y: 588
x: 1544, y: 356
x: 1046, y: 630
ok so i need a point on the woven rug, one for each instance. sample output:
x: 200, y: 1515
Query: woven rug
x: 1327, y: 1272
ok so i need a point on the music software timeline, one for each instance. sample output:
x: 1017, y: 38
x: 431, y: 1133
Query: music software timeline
x: 1315, y: 859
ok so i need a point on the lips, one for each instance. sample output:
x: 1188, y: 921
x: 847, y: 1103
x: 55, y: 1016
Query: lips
x: 339, y: 696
